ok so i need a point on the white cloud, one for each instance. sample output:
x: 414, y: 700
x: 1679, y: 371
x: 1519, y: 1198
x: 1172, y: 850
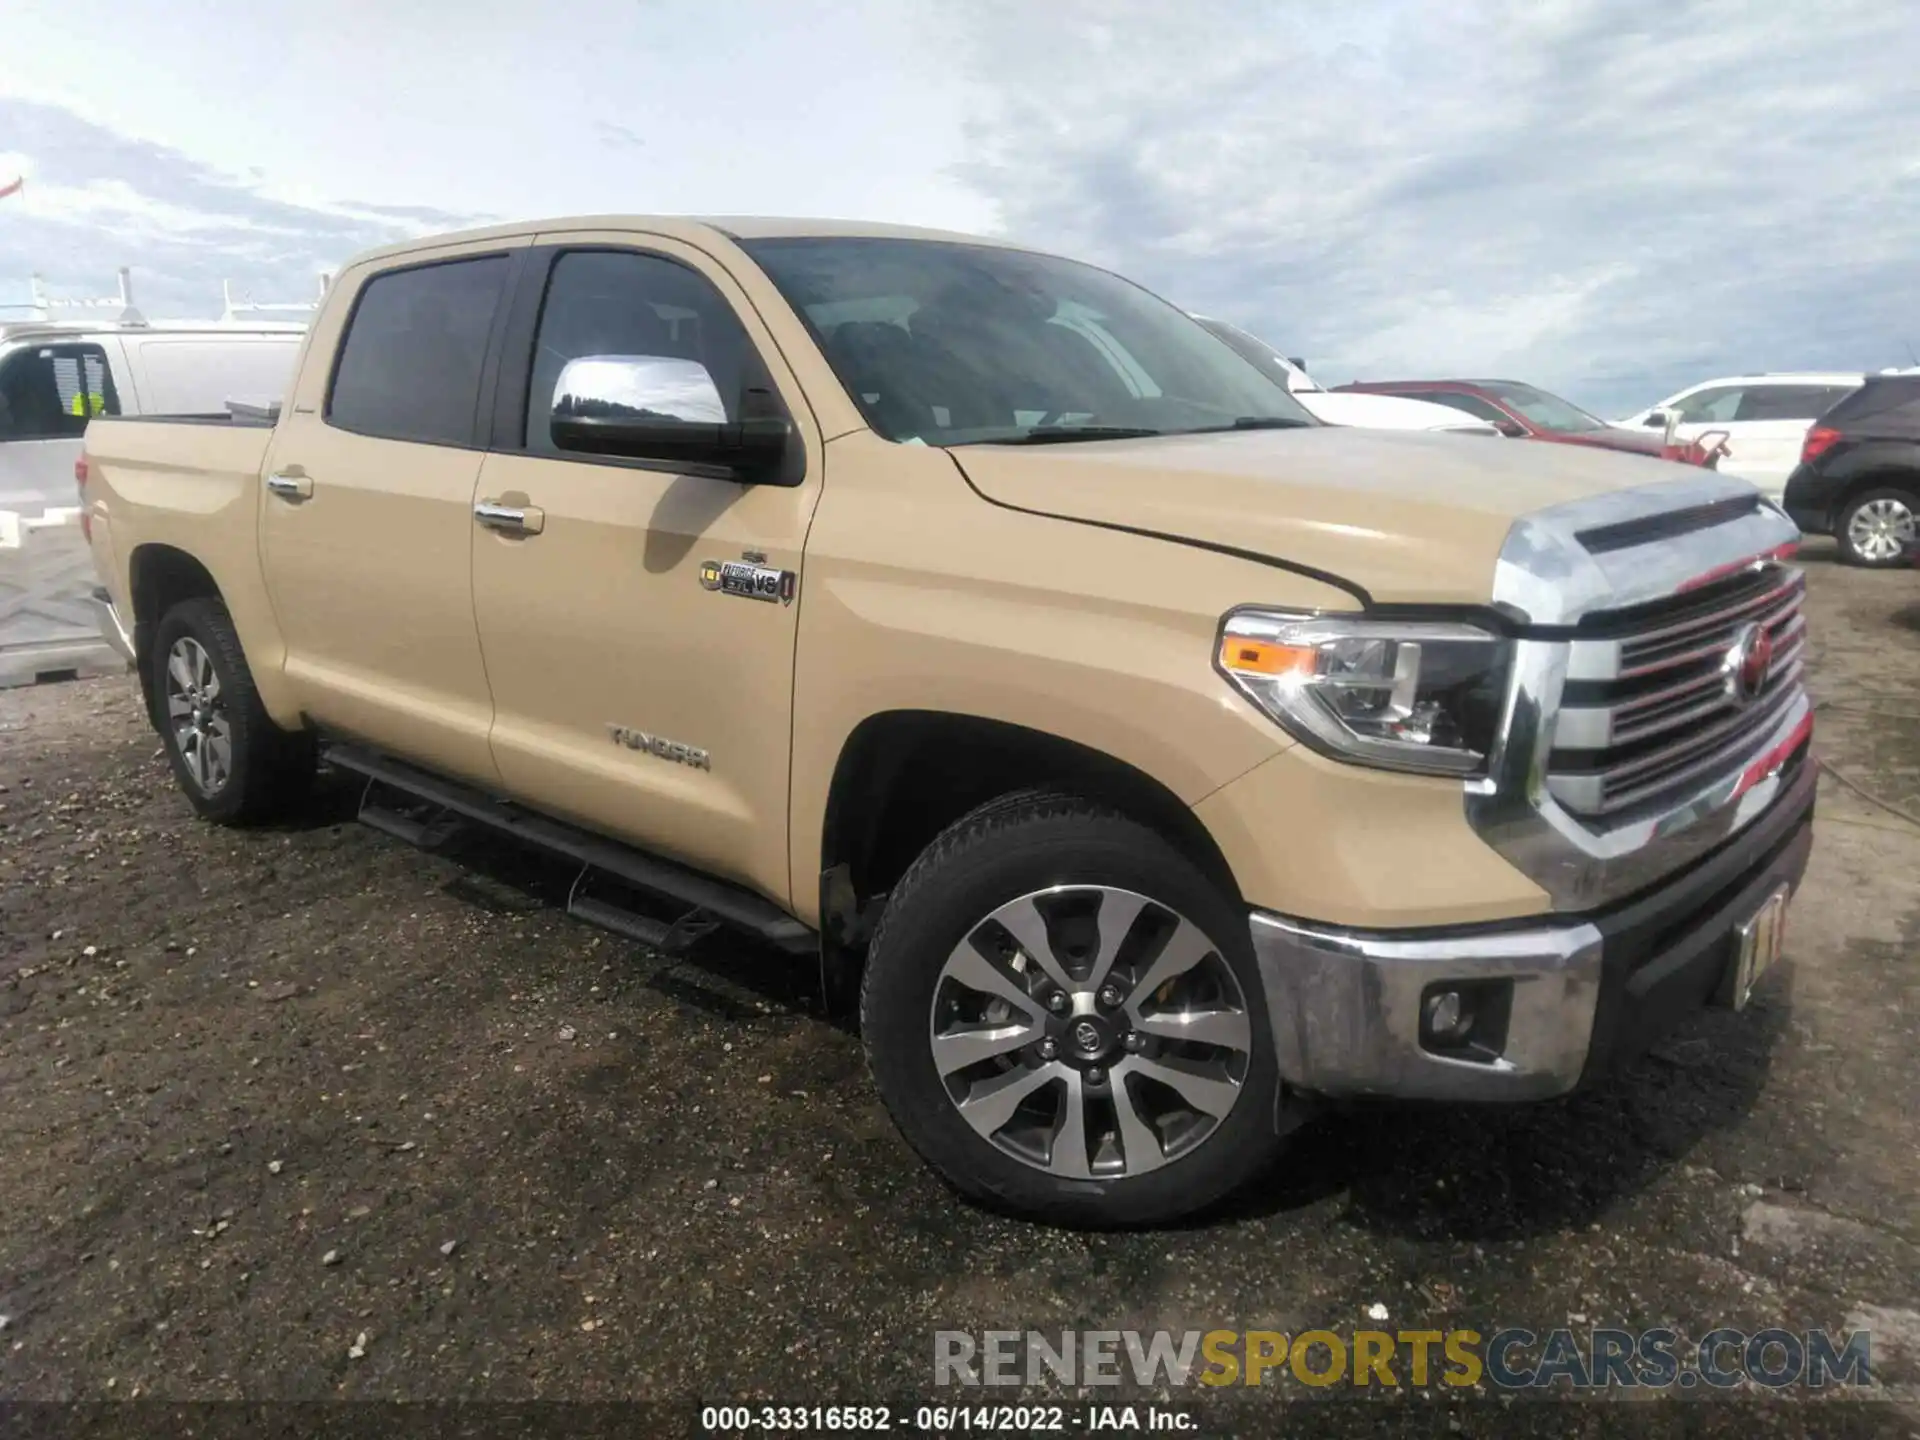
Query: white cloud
x: 1609, y: 197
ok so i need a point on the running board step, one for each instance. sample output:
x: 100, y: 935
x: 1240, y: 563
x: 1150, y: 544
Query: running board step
x: 700, y: 895
x: 428, y: 834
x: 674, y: 937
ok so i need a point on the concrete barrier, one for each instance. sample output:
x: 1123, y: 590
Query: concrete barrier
x: 47, y: 631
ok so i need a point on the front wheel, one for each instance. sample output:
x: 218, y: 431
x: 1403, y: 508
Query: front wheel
x: 1878, y: 527
x: 1064, y: 1018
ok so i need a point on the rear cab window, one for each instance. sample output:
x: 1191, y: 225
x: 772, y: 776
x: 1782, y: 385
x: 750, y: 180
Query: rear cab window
x: 49, y: 392
x: 415, y: 349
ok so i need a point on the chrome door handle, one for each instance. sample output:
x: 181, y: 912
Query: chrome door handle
x: 290, y: 486
x: 510, y: 519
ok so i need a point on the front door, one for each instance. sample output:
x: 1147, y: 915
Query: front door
x: 633, y: 689
x: 368, y: 511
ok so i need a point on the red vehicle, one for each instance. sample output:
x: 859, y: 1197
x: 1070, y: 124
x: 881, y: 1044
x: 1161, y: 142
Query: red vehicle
x: 1524, y: 412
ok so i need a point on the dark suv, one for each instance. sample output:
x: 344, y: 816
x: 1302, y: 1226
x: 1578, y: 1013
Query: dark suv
x: 1859, y: 474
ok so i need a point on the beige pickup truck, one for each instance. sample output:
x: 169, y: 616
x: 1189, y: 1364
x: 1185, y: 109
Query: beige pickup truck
x: 1148, y: 758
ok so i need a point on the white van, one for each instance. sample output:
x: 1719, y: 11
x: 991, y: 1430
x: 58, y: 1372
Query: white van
x: 54, y: 376
x: 1765, y: 417
x: 1369, y: 412
x: 55, y: 373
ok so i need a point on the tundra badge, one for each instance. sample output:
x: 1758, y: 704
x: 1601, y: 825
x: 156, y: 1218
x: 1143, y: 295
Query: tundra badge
x: 654, y: 745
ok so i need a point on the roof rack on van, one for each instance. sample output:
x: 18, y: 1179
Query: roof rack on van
x: 41, y: 305
x: 245, y: 305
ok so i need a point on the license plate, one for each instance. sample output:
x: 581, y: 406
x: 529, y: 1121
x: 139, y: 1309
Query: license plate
x: 1756, y: 946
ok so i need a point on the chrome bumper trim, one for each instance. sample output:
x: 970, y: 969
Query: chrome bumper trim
x: 1345, y: 1008
x: 108, y: 619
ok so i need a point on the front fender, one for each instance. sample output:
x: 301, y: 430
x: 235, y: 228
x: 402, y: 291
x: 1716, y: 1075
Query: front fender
x: 918, y: 595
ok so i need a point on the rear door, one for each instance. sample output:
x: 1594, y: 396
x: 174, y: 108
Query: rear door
x: 367, y: 511
x: 48, y: 392
x: 632, y: 689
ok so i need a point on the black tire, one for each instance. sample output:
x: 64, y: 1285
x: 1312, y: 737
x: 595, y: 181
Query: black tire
x: 269, y: 769
x: 1014, y: 847
x: 1843, y: 530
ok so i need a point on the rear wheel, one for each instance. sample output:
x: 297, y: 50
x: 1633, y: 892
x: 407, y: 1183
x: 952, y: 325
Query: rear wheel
x: 233, y: 762
x: 1063, y: 1016
x: 1878, y: 528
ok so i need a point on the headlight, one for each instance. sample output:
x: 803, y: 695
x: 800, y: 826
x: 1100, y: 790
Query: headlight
x: 1402, y: 695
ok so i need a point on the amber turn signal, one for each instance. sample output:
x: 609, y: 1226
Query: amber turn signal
x: 1265, y: 657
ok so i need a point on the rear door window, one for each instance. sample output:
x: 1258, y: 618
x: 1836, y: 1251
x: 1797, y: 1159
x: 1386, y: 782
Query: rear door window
x: 1788, y: 402
x: 415, y: 347
x: 49, y: 392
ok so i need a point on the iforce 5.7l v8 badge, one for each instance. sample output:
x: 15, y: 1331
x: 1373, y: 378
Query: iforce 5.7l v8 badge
x: 748, y: 580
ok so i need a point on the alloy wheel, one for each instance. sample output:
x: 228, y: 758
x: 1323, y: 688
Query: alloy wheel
x: 1881, y: 528
x: 198, y: 716
x: 1090, y: 1032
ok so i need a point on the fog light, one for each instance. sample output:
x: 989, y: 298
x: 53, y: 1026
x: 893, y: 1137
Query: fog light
x: 1448, y: 1016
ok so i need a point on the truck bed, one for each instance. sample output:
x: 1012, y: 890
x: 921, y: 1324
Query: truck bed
x: 246, y: 419
x: 192, y: 482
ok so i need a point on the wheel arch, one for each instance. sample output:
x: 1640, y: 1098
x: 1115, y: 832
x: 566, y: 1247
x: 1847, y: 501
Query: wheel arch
x: 902, y: 776
x: 159, y: 577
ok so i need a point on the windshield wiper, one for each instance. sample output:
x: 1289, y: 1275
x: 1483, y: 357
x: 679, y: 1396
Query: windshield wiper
x: 1060, y: 434
x: 1253, y: 422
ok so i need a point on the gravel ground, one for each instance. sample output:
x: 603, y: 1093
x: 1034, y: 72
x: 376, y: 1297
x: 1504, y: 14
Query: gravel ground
x: 303, y: 1114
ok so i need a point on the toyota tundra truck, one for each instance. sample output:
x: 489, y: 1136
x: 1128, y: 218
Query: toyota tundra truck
x: 1147, y: 762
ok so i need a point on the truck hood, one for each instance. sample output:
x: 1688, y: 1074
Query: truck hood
x: 1406, y: 517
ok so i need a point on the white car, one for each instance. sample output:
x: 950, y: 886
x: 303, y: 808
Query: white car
x: 1370, y: 412
x: 1765, y: 417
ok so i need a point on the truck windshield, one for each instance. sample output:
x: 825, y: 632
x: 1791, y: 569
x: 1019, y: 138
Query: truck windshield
x: 1549, y: 412
x: 953, y: 344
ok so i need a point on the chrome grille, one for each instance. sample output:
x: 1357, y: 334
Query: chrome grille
x: 1649, y: 711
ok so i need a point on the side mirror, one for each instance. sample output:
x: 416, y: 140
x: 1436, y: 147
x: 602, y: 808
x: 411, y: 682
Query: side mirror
x: 655, y: 407
x: 1512, y: 429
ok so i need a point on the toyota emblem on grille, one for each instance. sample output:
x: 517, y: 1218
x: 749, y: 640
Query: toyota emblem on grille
x: 1748, y: 661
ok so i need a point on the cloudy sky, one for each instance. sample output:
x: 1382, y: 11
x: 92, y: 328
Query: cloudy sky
x: 1609, y: 197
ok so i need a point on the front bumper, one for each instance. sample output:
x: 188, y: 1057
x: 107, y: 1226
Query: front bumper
x: 108, y: 619
x: 1554, y: 1004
